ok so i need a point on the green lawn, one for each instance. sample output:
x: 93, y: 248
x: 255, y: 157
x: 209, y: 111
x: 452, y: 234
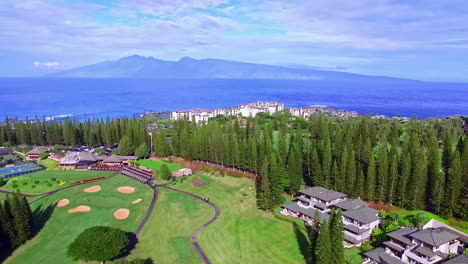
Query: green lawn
x: 50, y: 164
x: 166, y: 236
x: 50, y: 245
x: 242, y: 234
x: 26, y: 182
x: 455, y: 223
x: 352, y: 256
x: 156, y: 165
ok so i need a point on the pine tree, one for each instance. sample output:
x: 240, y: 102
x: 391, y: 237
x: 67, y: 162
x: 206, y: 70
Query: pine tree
x: 452, y: 189
x: 435, y: 184
x: 317, y: 176
x: 370, y: 180
x: 359, y: 187
x: 337, y: 239
x: 323, y: 250
x: 326, y: 162
x: 295, y: 171
x: 165, y: 172
x: 142, y: 151
x: 263, y: 189
x: 313, y: 234
x: 404, y: 177
x: 382, y: 173
x: 392, y: 179
x: 125, y: 146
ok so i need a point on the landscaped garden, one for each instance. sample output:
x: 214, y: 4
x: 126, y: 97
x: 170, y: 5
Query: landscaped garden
x: 61, y: 227
x: 49, y: 164
x: 49, y: 180
x: 156, y: 165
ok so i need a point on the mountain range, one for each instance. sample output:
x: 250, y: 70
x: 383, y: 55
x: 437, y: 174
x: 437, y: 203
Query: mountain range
x: 137, y: 66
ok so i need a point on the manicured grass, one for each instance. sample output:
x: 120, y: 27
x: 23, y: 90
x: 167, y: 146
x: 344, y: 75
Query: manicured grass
x: 352, y: 256
x: 50, y: 164
x: 156, y: 165
x: 26, y: 182
x: 166, y: 236
x: 60, y: 229
x: 242, y: 233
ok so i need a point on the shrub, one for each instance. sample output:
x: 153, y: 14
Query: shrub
x: 53, y: 179
x: 99, y: 243
x: 36, y: 182
x: 14, y: 181
x: 33, y: 186
x: 2, y: 181
x: 50, y: 184
x: 58, y: 182
x: 25, y: 183
x: 14, y: 186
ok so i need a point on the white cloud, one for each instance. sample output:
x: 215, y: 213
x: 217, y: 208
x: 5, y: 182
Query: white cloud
x: 47, y: 65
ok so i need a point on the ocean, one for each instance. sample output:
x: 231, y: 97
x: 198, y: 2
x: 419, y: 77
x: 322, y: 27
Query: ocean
x: 30, y: 97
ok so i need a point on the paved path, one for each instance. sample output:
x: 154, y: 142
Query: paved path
x: 149, y: 212
x: 197, y: 232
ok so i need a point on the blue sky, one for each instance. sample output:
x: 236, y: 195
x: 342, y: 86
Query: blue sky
x: 419, y: 39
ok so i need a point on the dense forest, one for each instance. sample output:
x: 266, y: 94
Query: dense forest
x: 415, y: 165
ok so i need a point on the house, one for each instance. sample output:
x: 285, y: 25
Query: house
x: 181, y: 172
x: 414, y: 246
x: 358, y: 224
x: 34, y: 153
x: 358, y: 219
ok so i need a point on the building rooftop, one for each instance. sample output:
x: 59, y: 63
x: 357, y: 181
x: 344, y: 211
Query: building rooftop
x: 36, y: 151
x: 425, y: 251
x: 393, y: 246
x: 112, y: 159
x: 314, y: 190
x: 356, y: 230
x: 461, y: 259
x: 401, y: 233
x: 5, y: 151
x: 310, y: 212
x: 364, y: 215
x: 330, y: 196
x: 434, y: 236
x: 379, y: 255
x: 350, y: 204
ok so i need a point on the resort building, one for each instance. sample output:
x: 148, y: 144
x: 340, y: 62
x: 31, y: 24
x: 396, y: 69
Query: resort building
x: 117, y: 160
x: 34, y: 153
x: 358, y: 219
x: 426, y: 246
x: 306, y: 112
x: 245, y: 110
x: 79, y: 160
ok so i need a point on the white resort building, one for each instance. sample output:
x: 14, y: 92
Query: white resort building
x: 245, y: 110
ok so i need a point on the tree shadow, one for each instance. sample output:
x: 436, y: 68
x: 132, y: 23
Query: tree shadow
x: 302, y: 240
x: 131, y: 245
x: 41, y: 215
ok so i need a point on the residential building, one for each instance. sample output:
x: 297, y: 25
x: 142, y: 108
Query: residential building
x: 117, y: 160
x: 358, y: 219
x: 413, y: 246
x: 306, y: 112
x: 79, y: 160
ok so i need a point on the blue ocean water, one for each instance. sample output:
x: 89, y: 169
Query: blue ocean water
x: 28, y: 97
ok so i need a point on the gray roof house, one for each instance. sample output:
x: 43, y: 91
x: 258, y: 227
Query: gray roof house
x: 434, y: 236
x: 461, y: 259
x: 350, y: 204
x: 363, y: 215
x: 36, y: 151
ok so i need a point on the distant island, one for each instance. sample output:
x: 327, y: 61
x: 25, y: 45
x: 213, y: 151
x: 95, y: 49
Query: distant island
x: 137, y: 66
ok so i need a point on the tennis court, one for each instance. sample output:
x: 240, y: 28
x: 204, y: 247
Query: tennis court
x: 19, y: 170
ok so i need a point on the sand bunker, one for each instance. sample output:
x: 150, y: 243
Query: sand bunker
x: 80, y: 209
x: 126, y: 189
x: 92, y: 189
x: 63, y: 202
x: 121, y: 214
x: 137, y: 201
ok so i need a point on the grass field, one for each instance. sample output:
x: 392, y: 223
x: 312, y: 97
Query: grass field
x: 156, y: 165
x: 455, y: 223
x: 352, y: 256
x: 166, y: 236
x: 50, y: 164
x: 42, y: 180
x: 242, y: 234
x: 50, y: 245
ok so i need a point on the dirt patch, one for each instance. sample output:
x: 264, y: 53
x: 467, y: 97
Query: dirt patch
x: 80, y: 209
x: 121, y: 214
x: 92, y: 189
x: 137, y: 201
x: 126, y: 189
x: 379, y: 206
x: 197, y: 182
x: 63, y: 202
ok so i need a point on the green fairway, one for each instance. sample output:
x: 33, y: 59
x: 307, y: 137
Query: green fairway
x: 242, y: 233
x: 41, y: 181
x: 50, y: 164
x: 166, y: 236
x: 61, y: 228
x: 352, y: 256
x: 156, y: 165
